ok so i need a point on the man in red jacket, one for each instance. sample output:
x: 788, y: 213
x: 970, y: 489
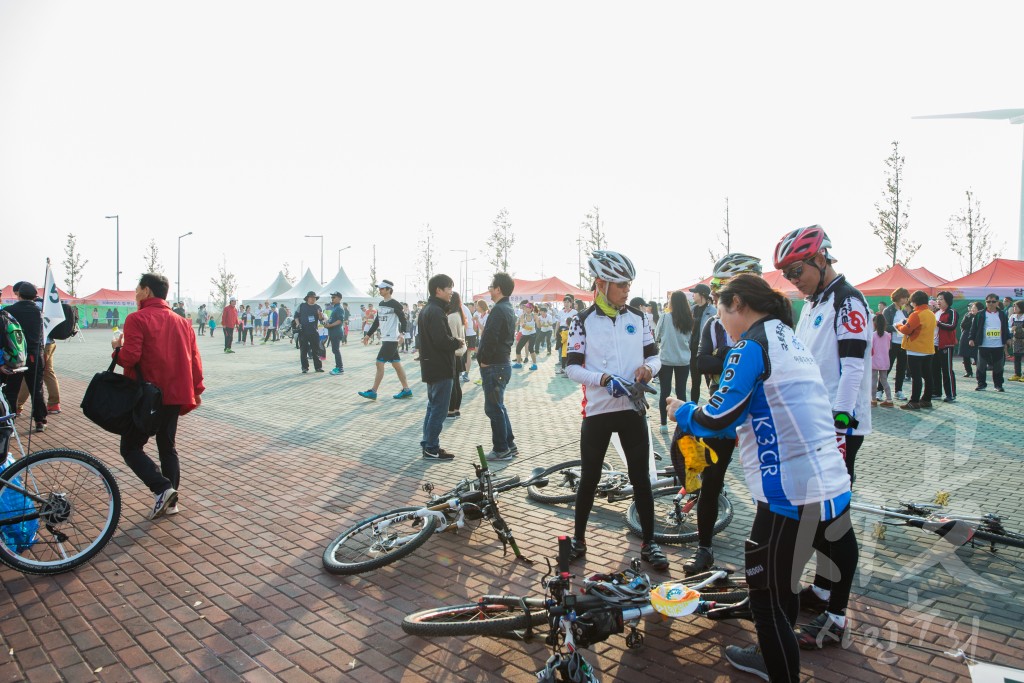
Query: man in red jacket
x: 228, y: 322
x: 162, y: 346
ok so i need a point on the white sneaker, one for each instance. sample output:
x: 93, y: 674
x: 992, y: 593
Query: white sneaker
x: 163, y: 501
x: 172, y: 510
x: 878, y: 395
x: 901, y: 396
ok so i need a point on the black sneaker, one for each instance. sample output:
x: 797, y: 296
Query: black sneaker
x: 701, y: 561
x: 578, y: 550
x: 820, y: 632
x: 1000, y: 389
x: 652, y: 554
x: 810, y: 602
x: 440, y: 454
x: 40, y: 427
x: 514, y: 450
x: 747, y: 659
x: 319, y: 369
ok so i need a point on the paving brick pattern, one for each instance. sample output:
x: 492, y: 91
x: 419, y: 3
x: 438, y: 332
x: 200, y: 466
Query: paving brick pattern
x: 277, y: 463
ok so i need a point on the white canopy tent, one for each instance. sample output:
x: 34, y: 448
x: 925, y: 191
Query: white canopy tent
x: 295, y: 295
x: 278, y: 286
x: 350, y: 294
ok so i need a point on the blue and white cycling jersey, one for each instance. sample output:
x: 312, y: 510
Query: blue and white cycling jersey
x: 771, y: 395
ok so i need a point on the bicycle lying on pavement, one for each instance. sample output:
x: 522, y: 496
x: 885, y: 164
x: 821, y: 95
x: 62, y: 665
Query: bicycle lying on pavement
x: 58, y: 507
x: 607, y: 604
x: 389, y: 536
x: 675, y: 511
x: 955, y: 528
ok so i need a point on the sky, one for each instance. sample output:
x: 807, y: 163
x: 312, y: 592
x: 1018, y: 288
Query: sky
x: 252, y: 124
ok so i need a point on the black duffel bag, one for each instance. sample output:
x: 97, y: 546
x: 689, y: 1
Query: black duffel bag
x: 120, y: 404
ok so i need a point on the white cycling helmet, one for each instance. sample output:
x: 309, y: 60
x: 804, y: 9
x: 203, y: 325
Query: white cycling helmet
x: 611, y: 266
x: 735, y: 264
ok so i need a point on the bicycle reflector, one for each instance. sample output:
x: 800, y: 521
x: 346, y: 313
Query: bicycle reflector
x: 674, y: 599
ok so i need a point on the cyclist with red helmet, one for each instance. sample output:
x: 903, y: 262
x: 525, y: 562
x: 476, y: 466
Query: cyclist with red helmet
x: 835, y: 325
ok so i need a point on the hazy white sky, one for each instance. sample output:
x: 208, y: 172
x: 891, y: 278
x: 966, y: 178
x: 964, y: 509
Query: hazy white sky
x: 254, y: 123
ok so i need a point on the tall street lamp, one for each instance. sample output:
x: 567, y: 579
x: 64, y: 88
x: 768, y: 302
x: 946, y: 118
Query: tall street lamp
x: 117, y: 250
x: 321, y: 256
x: 177, y: 296
x: 465, y: 262
x: 339, y: 255
x: 658, y: 293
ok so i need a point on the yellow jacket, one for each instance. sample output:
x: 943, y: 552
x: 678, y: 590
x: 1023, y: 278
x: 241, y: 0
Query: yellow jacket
x: 919, y: 331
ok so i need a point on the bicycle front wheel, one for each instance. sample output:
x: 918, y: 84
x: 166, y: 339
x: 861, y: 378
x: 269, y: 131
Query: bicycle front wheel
x: 377, y: 541
x: 493, y: 618
x: 78, y: 511
x: 563, y: 482
x: 674, y: 524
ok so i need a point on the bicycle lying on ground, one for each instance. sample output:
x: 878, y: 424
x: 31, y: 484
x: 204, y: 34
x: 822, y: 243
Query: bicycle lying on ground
x: 675, y: 512
x: 955, y: 528
x: 390, y: 536
x: 607, y: 604
x: 58, y: 507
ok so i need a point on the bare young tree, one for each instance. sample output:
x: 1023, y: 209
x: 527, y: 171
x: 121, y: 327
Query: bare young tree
x: 372, y: 290
x: 592, y: 238
x: 224, y: 285
x: 500, y: 242
x: 287, y: 273
x: 893, y: 222
x: 427, y: 256
x: 73, y: 265
x: 152, y: 258
x: 970, y: 236
x: 724, y: 238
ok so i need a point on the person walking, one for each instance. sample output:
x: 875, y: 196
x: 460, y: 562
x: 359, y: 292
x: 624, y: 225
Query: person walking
x: 528, y: 336
x: 308, y: 316
x: 989, y: 335
x: 30, y: 317
x: 389, y: 319
x: 335, y: 332
x: 437, y: 349
x: 702, y: 312
x: 612, y: 347
x: 918, y: 335
x: 880, y: 359
x: 673, y: 339
x: 161, y: 346
x: 457, y: 325
x: 228, y: 321
x: 1016, y: 325
x: 494, y: 358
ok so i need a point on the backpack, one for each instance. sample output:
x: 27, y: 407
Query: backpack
x: 13, y: 349
x: 67, y: 327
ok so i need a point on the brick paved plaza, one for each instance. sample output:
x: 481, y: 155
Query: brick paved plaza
x: 276, y: 463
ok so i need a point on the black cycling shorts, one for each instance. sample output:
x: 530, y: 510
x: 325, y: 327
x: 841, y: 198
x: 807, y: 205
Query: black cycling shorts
x: 388, y: 353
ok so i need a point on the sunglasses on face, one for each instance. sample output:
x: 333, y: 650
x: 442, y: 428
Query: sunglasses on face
x: 795, y: 272
x: 991, y: 301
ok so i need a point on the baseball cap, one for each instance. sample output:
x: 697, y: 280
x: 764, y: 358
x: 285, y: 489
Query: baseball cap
x: 701, y: 289
x: 27, y: 290
x: 337, y: 294
x: 385, y: 284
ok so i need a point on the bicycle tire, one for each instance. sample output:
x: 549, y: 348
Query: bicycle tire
x: 497, y: 617
x: 498, y: 483
x: 81, y: 514
x: 1010, y: 538
x: 725, y: 597
x: 363, y: 551
x: 668, y: 529
x: 559, y: 490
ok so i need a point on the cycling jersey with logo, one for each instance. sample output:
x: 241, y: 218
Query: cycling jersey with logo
x: 772, y: 397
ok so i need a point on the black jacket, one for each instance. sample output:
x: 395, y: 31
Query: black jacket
x: 30, y: 318
x: 437, y: 345
x: 977, y: 328
x: 495, y: 345
x: 711, y: 352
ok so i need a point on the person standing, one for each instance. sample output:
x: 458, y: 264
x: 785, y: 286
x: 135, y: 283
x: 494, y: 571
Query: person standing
x: 702, y: 312
x: 894, y: 316
x: 967, y: 352
x: 562, y: 333
x: 437, y: 349
x: 528, y: 336
x: 335, y: 331
x: 345, y: 317
x: 457, y: 325
x: 673, y: 338
x: 946, y: 320
x: 308, y: 315
x: 1016, y: 324
x: 201, y: 318
x: 161, y: 346
x: 918, y: 335
x: 612, y: 347
x: 390, y: 320
x: 494, y: 355
x: 30, y: 317
x: 989, y: 335
x: 228, y: 321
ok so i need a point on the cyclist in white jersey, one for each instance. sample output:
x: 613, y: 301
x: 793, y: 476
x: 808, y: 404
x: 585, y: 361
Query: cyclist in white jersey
x: 772, y: 396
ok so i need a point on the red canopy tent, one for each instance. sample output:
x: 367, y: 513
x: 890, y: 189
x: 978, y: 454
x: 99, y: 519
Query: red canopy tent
x: 7, y: 295
x: 1004, y: 277
x: 110, y: 297
x: 898, y: 276
x: 548, y: 289
x: 928, y: 277
x: 777, y: 281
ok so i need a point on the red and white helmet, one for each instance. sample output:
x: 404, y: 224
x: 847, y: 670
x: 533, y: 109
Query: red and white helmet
x: 800, y: 245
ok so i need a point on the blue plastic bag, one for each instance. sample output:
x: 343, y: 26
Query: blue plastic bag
x: 20, y: 536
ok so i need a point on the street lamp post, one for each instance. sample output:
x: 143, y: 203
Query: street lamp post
x: 321, y: 256
x: 177, y: 296
x: 339, y: 255
x: 117, y: 249
x: 465, y: 265
x: 658, y: 273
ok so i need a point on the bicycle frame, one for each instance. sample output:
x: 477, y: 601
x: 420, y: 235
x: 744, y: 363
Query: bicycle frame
x: 955, y: 528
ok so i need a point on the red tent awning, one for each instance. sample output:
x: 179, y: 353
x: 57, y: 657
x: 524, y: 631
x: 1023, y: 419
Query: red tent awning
x: 8, y: 296
x: 1004, y: 277
x: 548, y: 289
x: 898, y: 276
x: 777, y: 281
x: 110, y: 297
x: 928, y: 277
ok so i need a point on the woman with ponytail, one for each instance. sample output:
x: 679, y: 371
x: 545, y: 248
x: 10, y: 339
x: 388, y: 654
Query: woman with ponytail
x: 773, y: 398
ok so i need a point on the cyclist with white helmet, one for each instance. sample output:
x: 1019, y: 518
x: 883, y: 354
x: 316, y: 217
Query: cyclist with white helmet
x: 715, y: 344
x: 835, y: 325
x: 611, y: 345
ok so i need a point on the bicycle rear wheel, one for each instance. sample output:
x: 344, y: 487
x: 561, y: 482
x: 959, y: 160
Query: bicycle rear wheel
x: 673, y: 524
x: 497, y: 617
x: 563, y: 481
x: 377, y: 541
x: 78, y: 514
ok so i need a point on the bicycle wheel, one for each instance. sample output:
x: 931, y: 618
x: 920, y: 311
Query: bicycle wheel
x: 78, y: 513
x: 672, y: 524
x: 377, y: 541
x: 497, y: 617
x: 563, y: 480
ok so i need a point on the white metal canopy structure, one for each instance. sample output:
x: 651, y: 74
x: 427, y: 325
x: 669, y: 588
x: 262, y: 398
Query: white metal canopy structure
x: 1014, y: 116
